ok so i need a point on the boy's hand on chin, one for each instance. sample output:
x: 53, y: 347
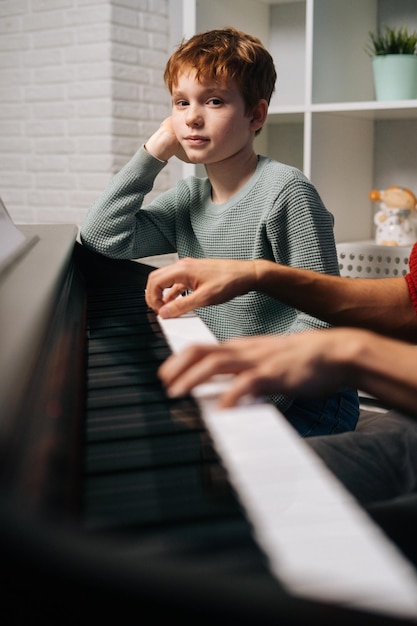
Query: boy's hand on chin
x: 163, y: 144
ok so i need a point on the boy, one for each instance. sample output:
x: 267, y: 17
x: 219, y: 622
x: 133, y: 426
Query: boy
x: 248, y: 207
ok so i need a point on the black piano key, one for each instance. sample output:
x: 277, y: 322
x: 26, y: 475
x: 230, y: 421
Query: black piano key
x: 230, y: 539
x: 176, y: 449
x: 112, y: 310
x: 118, y: 376
x: 125, y: 343
x: 130, y: 316
x: 116, y: 327
x: 160, y: 496
x: 116, y: 296
x: 122, y: 396
x: 136, y: 420
x: 152, y: 356
x: 118, y: 307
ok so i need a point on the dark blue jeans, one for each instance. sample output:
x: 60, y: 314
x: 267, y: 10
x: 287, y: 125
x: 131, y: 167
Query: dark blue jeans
x: 325, y: 416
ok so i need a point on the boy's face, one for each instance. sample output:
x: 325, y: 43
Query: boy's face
x: 209, y: 119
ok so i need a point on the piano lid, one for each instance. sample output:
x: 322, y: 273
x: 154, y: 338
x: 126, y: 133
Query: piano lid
x: 28, y: 291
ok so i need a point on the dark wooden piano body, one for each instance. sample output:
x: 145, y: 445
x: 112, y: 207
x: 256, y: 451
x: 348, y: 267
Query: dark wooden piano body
x: 113, y: 502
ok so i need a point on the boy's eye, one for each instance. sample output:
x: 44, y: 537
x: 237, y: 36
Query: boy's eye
x: 215, y: 101
x: 181, y: 103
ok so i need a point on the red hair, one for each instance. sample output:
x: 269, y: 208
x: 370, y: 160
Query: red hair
x: 226, y: 54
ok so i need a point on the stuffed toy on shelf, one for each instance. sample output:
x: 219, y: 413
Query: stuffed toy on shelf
x: 394, y: 221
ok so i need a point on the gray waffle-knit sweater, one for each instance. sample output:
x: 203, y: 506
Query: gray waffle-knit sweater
x: 278, y: 215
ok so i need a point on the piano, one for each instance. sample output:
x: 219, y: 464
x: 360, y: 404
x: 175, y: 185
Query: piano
x: 118, y: 502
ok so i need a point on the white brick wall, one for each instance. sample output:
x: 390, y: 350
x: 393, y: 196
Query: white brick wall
x: 80, y: 89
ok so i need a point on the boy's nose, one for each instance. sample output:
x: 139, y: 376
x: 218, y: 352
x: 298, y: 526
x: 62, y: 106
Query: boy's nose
x: 193, y: 117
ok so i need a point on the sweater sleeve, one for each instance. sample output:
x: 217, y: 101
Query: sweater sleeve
x: 300, y: 228
x: 301, y: 235
x: 118, y: 225
x: 411, y: 277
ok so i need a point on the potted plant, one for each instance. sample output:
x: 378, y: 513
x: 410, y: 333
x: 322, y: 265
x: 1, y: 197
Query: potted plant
x: 394, y: 63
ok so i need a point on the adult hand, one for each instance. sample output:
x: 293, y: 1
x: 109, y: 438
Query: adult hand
x: 210, y: 281
x: 307, y: 364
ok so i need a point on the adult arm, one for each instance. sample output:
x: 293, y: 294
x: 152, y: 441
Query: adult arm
x: 311, y: 364
x: 383, y: 305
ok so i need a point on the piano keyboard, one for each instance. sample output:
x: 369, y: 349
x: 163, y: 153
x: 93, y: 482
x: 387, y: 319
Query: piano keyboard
x: 151, y: 472
x: 215, y: 480
x: 320, y: 544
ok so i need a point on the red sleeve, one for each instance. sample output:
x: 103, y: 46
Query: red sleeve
x: 411, y: 277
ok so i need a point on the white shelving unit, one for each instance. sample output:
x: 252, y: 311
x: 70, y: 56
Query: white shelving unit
x: 323, y: 117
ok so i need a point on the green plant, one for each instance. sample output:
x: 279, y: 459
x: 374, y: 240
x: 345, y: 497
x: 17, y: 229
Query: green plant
x: 392, y: 41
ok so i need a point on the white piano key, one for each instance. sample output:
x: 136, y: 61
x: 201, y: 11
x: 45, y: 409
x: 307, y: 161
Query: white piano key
x: 185, y: 331
x: 348, y: 560
x: 319, y: 543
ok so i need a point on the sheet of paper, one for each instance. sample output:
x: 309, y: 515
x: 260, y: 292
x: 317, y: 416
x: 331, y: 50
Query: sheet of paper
x: 11, y: 239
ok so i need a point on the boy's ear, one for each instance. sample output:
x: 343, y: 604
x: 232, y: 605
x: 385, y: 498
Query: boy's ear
x: 259, y: 115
